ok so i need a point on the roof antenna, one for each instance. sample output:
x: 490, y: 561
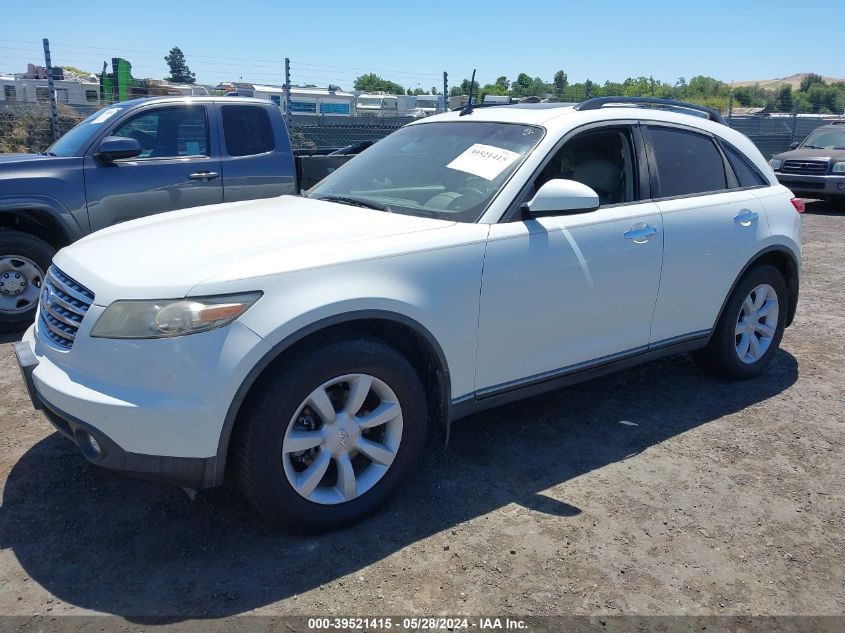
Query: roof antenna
x: 467, y: 109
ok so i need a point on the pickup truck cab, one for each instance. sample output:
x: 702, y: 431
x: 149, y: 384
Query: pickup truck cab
x: 303, y: 347
x: 129, y: 160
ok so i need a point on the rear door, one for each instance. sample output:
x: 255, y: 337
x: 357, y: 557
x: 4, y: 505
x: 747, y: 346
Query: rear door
x: 711, y: 228
x: 178, y: 166
x: 257, y: 156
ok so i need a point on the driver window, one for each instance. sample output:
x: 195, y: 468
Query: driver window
x: 169, y: 132
x: 602, y: 159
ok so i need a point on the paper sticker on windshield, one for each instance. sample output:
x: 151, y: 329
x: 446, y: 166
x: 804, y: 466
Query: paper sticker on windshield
x: 105, y: 115
x: 485, y: 161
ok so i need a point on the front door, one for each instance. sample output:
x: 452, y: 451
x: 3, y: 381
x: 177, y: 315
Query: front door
x: 560, y: 293
x: 177, y: 168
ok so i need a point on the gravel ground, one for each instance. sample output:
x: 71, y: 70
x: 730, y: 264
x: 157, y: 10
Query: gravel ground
x: 658, y: 490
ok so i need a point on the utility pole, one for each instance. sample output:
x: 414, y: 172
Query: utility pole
x: 445, y: 91
x: 54, y: 109
x: 730, y: 105
x: 287, y: 90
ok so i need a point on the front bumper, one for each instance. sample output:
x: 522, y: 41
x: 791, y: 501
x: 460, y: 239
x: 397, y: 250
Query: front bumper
x: 98, y: 448
x: 811, y: 185
x: 153, y: 408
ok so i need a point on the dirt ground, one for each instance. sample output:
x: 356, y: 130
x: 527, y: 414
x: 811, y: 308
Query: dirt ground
x: 658, y: 490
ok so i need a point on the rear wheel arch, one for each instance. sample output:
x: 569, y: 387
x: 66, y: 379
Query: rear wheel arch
x: 407, y: 336
x: 782, y: 258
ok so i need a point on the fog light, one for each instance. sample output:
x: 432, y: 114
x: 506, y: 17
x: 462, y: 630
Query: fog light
x: 89, y: 445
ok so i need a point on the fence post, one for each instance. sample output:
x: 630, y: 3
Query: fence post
x: 730, y: 105
x: 445, y: 91
x: 287, y: 90
x: 794, y: 122
x: 54, y: 110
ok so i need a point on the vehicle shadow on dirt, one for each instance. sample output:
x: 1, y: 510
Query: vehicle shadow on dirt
x: 114, y: 544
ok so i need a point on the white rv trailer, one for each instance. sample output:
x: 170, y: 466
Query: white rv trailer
x: 316, y: 101
x: 430, y: 104
x: 73, y: 93
x: 380, y: 105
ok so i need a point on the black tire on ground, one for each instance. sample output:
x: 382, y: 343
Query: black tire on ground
x: 720, y: 357
x: 34, y: 249
x: 255, y: 459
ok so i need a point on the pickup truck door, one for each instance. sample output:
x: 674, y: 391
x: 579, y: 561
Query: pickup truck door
x: 257, y: 160
x: 561, y: 293
x: 178, y: 167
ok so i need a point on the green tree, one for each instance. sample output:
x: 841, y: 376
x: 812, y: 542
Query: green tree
x: 560, y: 81
x: 809, y: 80
x: 179, y: 71
x: 503, y: 83
x: 371, y: 82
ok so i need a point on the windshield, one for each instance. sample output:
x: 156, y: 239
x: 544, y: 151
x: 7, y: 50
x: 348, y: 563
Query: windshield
x: 75, y: 140
x: 369, y: 101
x: 826, y: 139
x: 447, y: 170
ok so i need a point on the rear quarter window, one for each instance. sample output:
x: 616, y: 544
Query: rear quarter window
x: 746, y: 175
x: 687, y: 163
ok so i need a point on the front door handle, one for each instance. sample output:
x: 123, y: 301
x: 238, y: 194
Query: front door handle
x: 745, y: 217
x: 204, y: 175
x: 640, y: 235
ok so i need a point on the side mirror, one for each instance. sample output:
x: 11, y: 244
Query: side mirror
x: 794, y: 145
x: 560, y: 196
x: 113, y: 148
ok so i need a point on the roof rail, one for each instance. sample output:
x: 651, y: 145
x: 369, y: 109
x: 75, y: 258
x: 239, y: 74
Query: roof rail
x: 645, y: 102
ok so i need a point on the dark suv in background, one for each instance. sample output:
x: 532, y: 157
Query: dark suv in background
x: 815, y: 168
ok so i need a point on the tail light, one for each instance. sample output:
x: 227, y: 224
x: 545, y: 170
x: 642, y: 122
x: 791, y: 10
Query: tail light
x: 799, y: 204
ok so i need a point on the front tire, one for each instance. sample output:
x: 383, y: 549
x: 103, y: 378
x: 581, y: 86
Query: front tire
x: 328, y: 436
x: 24, y: 260
x: 750, y: 329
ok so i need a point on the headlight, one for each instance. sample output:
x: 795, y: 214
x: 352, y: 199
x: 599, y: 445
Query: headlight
x: 839, y: 168
x: 775, y: 163
x: 171, y: 317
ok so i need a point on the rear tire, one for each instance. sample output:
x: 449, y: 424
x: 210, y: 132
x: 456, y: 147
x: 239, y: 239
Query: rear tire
x: 303, y: 459
x: 750, y: 328
x: 24, y: 260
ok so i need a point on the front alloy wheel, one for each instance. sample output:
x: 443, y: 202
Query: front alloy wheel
x: 329, y: 432
x: 342, y: 439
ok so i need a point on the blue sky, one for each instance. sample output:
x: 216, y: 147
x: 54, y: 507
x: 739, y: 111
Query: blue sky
x: 414, y: 41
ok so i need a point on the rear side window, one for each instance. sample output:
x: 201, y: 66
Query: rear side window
x: 247, y: 130
x: 745, y: 174
x: 687, y: 163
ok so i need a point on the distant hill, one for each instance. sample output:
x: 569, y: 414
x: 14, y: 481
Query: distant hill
x: 792, y: 80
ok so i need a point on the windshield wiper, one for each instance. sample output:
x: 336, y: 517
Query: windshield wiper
x: 358, y: 202
x: 810, y: 147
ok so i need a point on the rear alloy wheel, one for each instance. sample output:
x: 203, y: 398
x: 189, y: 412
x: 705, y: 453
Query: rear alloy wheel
x: 749, y: 331
x: 24, y: 260
x: 329, y: 434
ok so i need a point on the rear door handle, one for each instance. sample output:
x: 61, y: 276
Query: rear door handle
x: 203, y: 175
x: 641, y: 235
x: 745, y: 217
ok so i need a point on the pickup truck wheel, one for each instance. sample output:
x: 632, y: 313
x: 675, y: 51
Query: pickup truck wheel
x: 328, y: 437
x: 751, y: 326
x: 24, y: 259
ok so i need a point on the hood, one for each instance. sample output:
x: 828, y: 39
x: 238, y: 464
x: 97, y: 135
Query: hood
x: 166, y: 255
x: 19, y: 158
x: 812, y: 154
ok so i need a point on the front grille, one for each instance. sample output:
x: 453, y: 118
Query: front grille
x: 64, y: 303
x: 805, y: 166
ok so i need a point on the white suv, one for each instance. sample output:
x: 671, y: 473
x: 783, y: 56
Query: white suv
x: 304, y: 346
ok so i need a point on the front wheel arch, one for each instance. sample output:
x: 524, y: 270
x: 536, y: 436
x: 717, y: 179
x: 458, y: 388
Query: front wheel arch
x: 405, y: 334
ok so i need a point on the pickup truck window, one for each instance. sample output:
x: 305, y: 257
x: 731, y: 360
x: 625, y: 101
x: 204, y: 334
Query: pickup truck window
x: 169, y: 132
x: 247, y: 130
x: 447, y: 170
